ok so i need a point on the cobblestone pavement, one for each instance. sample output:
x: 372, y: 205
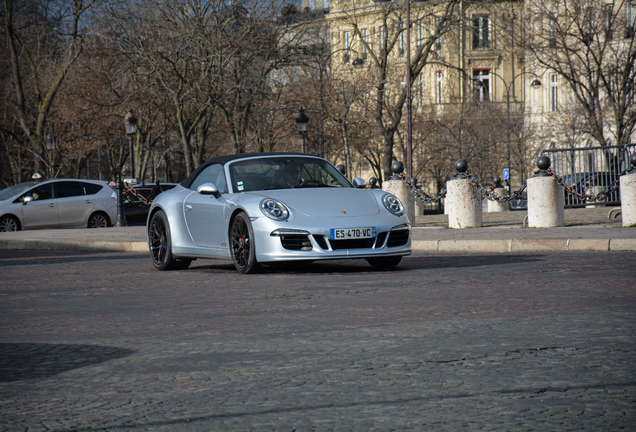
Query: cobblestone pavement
x: 448, y: 342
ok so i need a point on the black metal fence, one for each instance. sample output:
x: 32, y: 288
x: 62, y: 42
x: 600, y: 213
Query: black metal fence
x: 589, y: 170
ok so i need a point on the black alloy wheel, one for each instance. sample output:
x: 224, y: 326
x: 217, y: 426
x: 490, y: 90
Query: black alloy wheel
x: 242, y: 245
x: 160, y: 245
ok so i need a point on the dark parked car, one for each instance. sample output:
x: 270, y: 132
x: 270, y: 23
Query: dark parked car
x: 136, y: 212
x: 520, y: 203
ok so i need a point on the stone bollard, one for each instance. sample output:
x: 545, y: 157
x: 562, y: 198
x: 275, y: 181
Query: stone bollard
x: 499, y: 190
x: 394, y: 185
x: 463, y: 200
x: 546, y: 199
x: 418, y: 203
x: 628, y: 194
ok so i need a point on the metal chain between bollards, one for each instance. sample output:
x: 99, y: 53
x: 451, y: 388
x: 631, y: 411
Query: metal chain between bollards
x: 131, y: 193
x: 589, y: 198
x: 543, y: 163
x: 418, y: 194
x: 489, y: 193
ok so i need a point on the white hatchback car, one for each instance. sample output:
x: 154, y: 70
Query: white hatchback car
x: 60, y: 203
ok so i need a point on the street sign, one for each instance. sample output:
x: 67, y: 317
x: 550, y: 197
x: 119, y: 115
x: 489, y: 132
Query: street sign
x: 506, y: 174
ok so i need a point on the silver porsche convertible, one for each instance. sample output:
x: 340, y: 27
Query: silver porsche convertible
x: 265, y: 208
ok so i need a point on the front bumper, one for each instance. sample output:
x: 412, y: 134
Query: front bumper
x: 284, y: 241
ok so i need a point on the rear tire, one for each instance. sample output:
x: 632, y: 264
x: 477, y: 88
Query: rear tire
x: 9, y: 224
x: 242, y: 247
x: 385, y: 262
x: 98, y: 220
x: 160, y: 245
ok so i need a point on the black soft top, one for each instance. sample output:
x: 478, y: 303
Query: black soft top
x: 229, y: 158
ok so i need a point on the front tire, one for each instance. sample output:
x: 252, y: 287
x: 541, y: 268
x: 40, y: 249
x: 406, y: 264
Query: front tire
x: 98, y: 220
x: 9, y: 224
x: 160, y: 244
x: 242, y: 245
x: 384, y: 262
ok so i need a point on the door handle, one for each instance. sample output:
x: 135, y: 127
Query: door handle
x: 52, y: 205
x: 89, y: 201
x: 188, y: 207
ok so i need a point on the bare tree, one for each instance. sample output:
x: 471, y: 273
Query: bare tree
x: 390, y: 95
x: 44, y: 41
x: 591, y: 46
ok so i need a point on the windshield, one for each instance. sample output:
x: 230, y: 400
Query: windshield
x: 284, y: 173
x: 14, y: 190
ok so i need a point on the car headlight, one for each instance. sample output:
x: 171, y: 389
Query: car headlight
x: 393, y: 204
x: 274, y: 209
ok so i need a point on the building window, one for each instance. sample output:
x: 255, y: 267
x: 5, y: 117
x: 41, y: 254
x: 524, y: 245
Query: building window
x: 363, y: 38
x: 554, y: 93
x: 420, y: 34
x: 347, y: 47
x: 609, y: 21
x: 553, y: 30
x: 420, y: 88
x: 481, y: 79
x: 588, y: 36
x: 481, y: 32
x: 438, y: 87
x: 438, y: 41
x: 401, y: 28
x: 383, y: 38
x: 629, y: 19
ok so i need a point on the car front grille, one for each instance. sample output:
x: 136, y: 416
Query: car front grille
x: 398, y: 238
x: 296, y: 242
x: 301, y: 242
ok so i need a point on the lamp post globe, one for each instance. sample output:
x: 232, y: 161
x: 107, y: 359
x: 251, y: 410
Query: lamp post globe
x: 302, y: 122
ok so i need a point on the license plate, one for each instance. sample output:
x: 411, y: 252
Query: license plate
x: 352, y: 233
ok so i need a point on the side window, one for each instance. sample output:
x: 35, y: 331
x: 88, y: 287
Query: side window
x: 69, y: 189
x: 40, y: 193
x: 212, y: 174
x: 92, y: 189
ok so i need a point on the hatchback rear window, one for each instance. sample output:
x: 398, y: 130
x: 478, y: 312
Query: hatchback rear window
x: 92, y: 188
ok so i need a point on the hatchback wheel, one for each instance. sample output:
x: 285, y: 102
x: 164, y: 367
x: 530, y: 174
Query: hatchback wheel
x: 98, y: 220
x: 9, y: 224
x: 242, y: 245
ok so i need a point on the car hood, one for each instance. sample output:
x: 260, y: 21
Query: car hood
x: 326, y: 202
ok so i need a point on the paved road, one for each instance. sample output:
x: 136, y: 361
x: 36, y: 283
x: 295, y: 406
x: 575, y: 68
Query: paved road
x: 541, y: 341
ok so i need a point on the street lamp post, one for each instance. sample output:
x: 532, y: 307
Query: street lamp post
x: 409, y: 99
x: 508, y: 86
x: 121, y: 219
x: 50, y: 147
x: 302, y: 122
x: 130, y: 122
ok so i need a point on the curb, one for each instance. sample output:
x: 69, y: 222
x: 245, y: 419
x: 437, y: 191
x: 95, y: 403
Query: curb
x: 84, y: 246
x: 525, y: 245
x: 488, y: 245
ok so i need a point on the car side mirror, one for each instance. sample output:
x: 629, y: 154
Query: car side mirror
x: 26, y: 200
x: 208, y: 189
x: 359, y: 183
